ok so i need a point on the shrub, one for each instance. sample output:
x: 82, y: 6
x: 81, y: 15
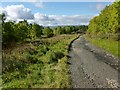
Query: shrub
x: 48, y: 32
x: 42, y: 50
x: 53, y: 56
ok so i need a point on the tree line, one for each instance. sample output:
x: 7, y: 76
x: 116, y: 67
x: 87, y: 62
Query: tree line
x: 23, y: 31
x: 107, y: 24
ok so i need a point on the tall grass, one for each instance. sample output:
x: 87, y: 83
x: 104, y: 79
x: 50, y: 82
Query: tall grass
x: 39, y: 64
x: 109, y: 45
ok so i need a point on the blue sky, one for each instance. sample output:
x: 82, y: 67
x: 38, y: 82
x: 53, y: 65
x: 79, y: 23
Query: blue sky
x: 53, y: 13
x: 63, y: 8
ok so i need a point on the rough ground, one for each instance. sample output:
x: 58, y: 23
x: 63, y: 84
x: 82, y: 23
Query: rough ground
x: 92, y: 67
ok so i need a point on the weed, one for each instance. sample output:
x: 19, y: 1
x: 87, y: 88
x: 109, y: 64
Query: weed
x: 40, y: 64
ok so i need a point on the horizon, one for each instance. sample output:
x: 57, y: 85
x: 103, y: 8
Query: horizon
x: 53, y: 13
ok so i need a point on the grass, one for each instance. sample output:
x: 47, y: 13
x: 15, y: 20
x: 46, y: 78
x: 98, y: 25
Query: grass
x: 110, y: 46
x: 39, y: 64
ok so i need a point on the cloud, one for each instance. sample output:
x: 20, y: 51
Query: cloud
x: 37, y: 3
x: 2, y: 10
x: 54, y: 20
x: 42, y: 17
x: 14, y: 12
x: 72, y: 20
x: 19, y: 12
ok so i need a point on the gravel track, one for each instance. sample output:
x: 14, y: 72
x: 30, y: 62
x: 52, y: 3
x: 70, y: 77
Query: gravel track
x: 92, y: 67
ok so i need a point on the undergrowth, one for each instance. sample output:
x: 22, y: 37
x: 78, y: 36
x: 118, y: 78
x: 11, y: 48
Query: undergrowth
x: 109, y: 45
x: 38, y: 64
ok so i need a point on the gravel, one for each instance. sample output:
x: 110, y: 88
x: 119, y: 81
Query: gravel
x: 92, y: 67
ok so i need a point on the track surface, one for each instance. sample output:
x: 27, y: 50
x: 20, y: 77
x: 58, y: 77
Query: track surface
x: 92, y: 67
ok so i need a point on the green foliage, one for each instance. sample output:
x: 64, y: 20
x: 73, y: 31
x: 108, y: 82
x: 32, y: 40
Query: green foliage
x: 69, y: 29
x: 38, y: 66
x: 37, y: 29
x: 53, y: 56
x: 106, y: 25
x: 108, y: 45
x: 81, y: 29
x: 42, y: 49
x: 21, y: 30
x: 13, y: 64
x: 8, y: 32
x: 58, y: 30
x: 48, y: 32
x: 31, y: 33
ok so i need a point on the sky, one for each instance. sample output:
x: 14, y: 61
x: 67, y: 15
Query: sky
x: 52, y: 13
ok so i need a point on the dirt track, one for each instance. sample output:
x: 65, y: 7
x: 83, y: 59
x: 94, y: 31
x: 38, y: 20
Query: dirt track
x: 92, y: 67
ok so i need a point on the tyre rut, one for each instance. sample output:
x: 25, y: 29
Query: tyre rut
x: 89, y: 70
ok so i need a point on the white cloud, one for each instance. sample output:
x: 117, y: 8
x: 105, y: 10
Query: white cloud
x: 54, y: 20
x: 73, y: 20
x: 19, y: 12
x: 37, y: 3
x: 14, y: 12
x: 42, y: 17
x: 2, y: 10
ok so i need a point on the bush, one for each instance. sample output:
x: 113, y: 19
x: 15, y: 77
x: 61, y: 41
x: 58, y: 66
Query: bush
x: 42, y: 50
x: 32, y: 59
x: 12, y: 65
x: 54, y: 56
x: 48, y: 32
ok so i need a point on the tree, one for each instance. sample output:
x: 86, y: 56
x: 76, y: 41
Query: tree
x: 21, y: 30
x: 31, y: 33
x: 48, y: 32
x: 58, y: 30
x: 68, y: 30
x: 106, y: 25
x: 38, y: 29
x: 8, y: 33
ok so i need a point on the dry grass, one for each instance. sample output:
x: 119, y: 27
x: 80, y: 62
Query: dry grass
x: 38, y: 65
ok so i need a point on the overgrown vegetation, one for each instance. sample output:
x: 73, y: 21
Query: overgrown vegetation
x: 35, y: 65
x: 107, y: 44
x: 23, y: 31
x: 35, y: 56
x: 104, y: 30
x: 107, y: 24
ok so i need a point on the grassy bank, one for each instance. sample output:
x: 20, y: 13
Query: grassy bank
x: 110, y: 46
x: 39, y: 64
